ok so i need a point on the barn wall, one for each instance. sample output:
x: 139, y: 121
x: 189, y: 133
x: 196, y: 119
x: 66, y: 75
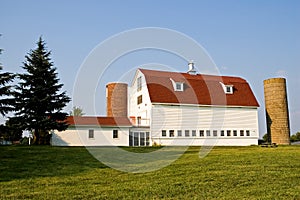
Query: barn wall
x: 206, y: 141
x: 139, y: 110
x: 79, y: 137
x: 166, y: 117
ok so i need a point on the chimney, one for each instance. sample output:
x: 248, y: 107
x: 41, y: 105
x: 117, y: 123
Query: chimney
x: 191, y: 68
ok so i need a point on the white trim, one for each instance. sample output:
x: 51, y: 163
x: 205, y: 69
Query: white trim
x: 135, y: 77
x: 97, y: 126
x: 203, y: 105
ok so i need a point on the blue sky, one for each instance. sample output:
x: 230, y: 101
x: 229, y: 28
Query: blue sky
x: 253, y: 39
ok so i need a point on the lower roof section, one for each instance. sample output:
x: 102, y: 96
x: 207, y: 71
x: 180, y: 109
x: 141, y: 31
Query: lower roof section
x: 98, y: 121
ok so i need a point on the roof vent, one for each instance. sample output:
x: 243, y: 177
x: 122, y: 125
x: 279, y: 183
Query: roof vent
x: 192, y: 68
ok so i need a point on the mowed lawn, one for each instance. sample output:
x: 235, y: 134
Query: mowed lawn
x: 225, y: 173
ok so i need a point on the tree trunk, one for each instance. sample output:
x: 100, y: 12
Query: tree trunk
x: 41, y: 137
x: 36, y: 137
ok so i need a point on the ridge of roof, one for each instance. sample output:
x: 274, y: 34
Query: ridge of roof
x: 206, y: 77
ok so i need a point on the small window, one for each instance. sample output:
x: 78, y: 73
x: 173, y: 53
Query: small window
x: 222, y: 133
x: 139, y: 99
x: 91, y: 134
x: 179, y: 86
x: 228, y: 132
x: 171, y: 133
x: 139, y: 83
x: 215, y: 133
x: 201, y: 133
x: 234, y: 132
x: 139, y: 120
x: 241, y: 132
x: 187, y: 133
x: 194, y: 133
x: 228, y: 89
x: 247, y: 133
x: 208, y: 133
x: 179, y: 133
x: 115, y: 134
x: 164, y: 133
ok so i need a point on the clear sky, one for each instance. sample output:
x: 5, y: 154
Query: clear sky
x: 253, y: 39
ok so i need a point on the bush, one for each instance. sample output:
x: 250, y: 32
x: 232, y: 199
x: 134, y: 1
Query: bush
x: 267, y: 138
x: 24, y: 141
x: 295, y: 137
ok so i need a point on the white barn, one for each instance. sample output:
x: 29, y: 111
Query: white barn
x: 171, y: 108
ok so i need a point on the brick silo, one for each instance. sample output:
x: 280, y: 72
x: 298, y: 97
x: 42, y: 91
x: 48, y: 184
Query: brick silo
x: 116, y: 100
x: 277, y: 112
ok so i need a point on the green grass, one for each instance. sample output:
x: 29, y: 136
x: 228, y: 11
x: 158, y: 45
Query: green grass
x: 225, y: 173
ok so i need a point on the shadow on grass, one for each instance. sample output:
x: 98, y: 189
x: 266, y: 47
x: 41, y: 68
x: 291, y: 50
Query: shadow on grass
x: 24, y: 162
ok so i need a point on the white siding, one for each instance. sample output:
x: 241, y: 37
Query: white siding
x: 167, y: 117
x: 139, y: 110
x: 80, y: 137
x: 206, y: 141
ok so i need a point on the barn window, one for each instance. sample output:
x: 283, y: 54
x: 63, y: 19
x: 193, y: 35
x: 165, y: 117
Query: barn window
x: 194, y: 133
x: 247, y: 133
x: 215, y: 133
x: 139, y: 83
x: 91, y: 134
x: 115, y: 134
x: 179, y: 86
x: 228, y: 133
x: 171, y: 133
x: 241, y: 132
x: 179, y: 133
x: 201, y: 133
x: 164, y: 133
x: 139, y: 139
x: 139, y: 99
x: 187, y: 133
x: 208, y: 133
x: 228, y: 89
x: 222, y: 133
x: 234, y: 132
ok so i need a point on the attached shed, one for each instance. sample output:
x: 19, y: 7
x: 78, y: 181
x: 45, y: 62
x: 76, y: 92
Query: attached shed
x: 93, y: 131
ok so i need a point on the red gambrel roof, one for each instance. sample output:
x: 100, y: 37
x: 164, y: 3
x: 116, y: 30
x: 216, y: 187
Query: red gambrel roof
x: 198, y: 89
x: 99, y: 121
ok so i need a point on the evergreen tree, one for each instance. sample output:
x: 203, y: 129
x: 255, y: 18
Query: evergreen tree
x: 5, y: 91
x: 11, y: 132
x: 38, y: 99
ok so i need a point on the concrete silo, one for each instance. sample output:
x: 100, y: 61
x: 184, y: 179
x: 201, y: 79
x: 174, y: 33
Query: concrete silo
x: 277, y: 112
x: 116, y: 100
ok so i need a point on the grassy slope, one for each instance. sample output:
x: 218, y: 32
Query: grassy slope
x: 226, y: 173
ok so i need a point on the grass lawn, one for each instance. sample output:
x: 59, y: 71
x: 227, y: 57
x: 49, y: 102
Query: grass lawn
x: 225, y: 173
